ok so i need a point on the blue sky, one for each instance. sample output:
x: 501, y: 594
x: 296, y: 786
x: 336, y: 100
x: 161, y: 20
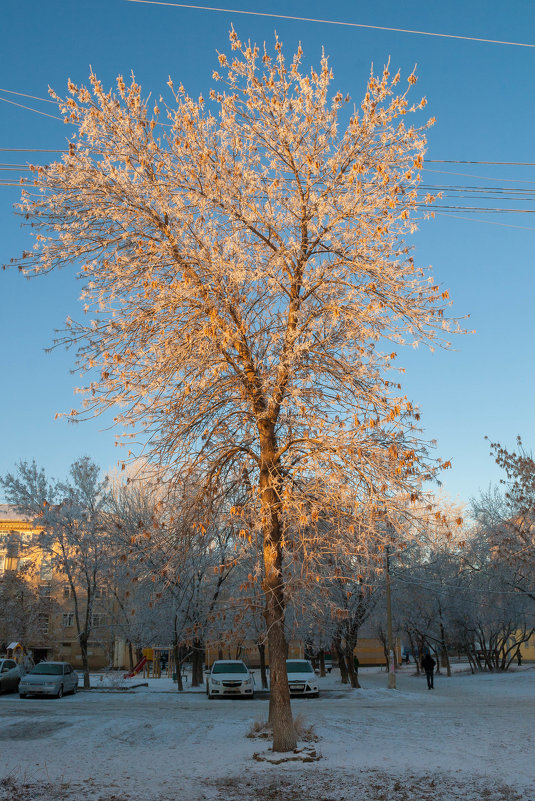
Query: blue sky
x: 482, y: 97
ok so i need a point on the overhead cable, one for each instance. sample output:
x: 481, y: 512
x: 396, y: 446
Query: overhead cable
x: 332, y: 22
x: 33, y: 97
x: 28, y: 108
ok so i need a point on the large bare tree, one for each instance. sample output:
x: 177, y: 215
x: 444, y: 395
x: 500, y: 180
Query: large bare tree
x: 247, y: 282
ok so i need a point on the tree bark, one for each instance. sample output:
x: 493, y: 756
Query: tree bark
x: 337, y: 645
x: 280, y: 710
x: 437, y: 659
x: 445, y: 655
x: 263, y: 672
x: 322, y: 663
x: 197, y: 677
x: 85, y: 661
x: 350, y: 664
x: 176, y: 655
x: 414, y: 653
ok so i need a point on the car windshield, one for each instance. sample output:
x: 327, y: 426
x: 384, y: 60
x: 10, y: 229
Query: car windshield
x: 48, y: 670
x: 299, y: 667
x: 229, y: 667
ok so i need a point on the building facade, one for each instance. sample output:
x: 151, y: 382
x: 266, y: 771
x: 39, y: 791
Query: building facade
x: 36, y: 605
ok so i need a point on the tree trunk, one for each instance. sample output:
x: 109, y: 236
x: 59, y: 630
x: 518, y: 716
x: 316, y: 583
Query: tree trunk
x: 350, y: 664
x: 176, y: 655
x: 420, y: 650
x: 197, y: 676
x: 322, y: 663
x: 130, y: 655
x: 445, y: 655
x: 437, y: 659
x: 414, y: 653
x: 280, y: 710
x: 337, y: 645
x: 385, y: 652
x: 263, y: 672
x: 85, y: 662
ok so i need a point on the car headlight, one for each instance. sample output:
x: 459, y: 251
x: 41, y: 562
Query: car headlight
x: 214, y: 681
x: 248, y: 681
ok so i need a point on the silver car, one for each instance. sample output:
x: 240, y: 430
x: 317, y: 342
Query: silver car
x: 10, y: 674
x: 49, y: 678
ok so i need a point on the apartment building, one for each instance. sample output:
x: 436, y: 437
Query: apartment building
x: 36, y: 602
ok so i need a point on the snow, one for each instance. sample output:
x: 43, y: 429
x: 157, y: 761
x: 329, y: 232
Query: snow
x: 470, y: 738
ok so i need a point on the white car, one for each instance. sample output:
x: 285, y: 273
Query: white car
x: 49, y: 678
x: 229, y: 677
x: 302, y: 679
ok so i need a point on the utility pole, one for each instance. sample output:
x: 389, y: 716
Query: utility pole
x: 390, y: 642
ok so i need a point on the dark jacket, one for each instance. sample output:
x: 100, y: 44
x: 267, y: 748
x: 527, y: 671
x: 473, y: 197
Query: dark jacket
x: 428, y: 663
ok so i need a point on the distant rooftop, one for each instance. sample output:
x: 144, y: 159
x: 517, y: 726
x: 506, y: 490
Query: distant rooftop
x: 8, y: 512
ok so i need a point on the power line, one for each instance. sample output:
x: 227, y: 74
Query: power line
x: 28, y: 108
x: 485, y: 209
x: 331, y: 22
x: 476, y: 177
x: 33, y: 97
x: 458, y: 161
x: 487, y: 222
x: 30, y: 150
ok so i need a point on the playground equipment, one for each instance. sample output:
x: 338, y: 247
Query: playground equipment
x: 151, y: 663
x: 140, y: 666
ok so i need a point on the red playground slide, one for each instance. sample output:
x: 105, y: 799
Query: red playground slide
x: 137, y: 668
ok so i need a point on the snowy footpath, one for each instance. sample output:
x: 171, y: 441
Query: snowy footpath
x: 470, y: 739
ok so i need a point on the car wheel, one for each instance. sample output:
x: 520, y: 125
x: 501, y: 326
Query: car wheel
x: 22, y: 695
x: 60, y: 691
x: 75, y: 689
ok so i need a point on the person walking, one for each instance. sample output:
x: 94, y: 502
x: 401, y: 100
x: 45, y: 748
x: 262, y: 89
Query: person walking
x: 428, y: 664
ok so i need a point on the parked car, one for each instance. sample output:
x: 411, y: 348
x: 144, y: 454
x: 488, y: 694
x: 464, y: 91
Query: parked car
x: 49, y: 678
x: 10, y: 674
x: 302, y: 679
x: 229, y: 677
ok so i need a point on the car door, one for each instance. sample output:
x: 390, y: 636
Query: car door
x: 4, y: 678
x: 10, y: 675
x: 68, y: 678
x: 14, y: 675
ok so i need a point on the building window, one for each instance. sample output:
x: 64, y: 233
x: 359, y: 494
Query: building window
x: 45, y: 591
x: 98, y: 619
x: 45, y: 571
x: 66, y: 591
x: 68, y: 619
x: 43, y: 624
x: 2, y: 561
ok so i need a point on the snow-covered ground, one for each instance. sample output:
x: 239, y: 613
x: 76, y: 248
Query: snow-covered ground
x: 471, y: 738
